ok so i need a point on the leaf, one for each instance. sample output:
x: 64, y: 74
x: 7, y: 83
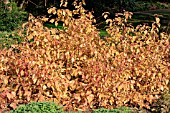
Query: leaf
x: 13, y: 105
x: 69, y: 13
x: 108, y: 21
x: 52, y: 20
x: 22, y: 73
x: 28, y: 95
x: 45, y: 40
x: 57, y: 37
x: 66, y: 22
x: 49, y: 11
x: 162, y: 87
x: 157, y: 20
x: 65, y: 4
x: 48, y: 85
x: 45, y: 19
x: 41, y: 98
x: 54, y: 12
x: 77, y: 96
x: 101, y: 96
x: 10, y: 95
x: 56, y: 23
x: 105, y: 16
x: 6, y: 78
x: 90, y: 98
x: 44, y: 87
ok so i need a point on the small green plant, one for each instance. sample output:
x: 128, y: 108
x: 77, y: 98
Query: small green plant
x: 9, y: 38
x: 38, y: 107
x: 11, y: 19
x: 50, y: 25
x: 118, y: 110
x: 103, y: 33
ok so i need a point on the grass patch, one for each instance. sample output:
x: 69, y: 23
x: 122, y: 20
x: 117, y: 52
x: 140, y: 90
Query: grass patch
x: 50, y: 25
x: 103, y: 33
x: 118, y: 110
x: 9, y: 38
x: 51, y: 107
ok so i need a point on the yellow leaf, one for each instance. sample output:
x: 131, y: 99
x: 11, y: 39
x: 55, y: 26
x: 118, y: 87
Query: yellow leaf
x: 69, y: 14
x: 167, y: 81
x: 22, y: 73
x: 48, y: 84
x: 49, y: 11
x: 77, y: 96
x: 90, y: 98
x: 108, y: 21
x: 105, y: 16
x: 157, y: 20
x: 44, y: 19
x: 37, y: 43
x: 52, y: 20
x: 162, y: 88
x: 54, y: 12
x: 44, y: 87
x: 57, y: 37
x: 56, y: 23
x: 6, y: 80
x: 45, y: 40
x: 66, y: 22
x: 34, y: 79
x: 101, y: 96
x: 83, y: 1
x: 152, y: 87
x: 94, y: 20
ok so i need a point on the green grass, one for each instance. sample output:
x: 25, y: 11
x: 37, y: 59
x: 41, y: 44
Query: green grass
x: 103, y: 33
x: 118, y: 110
x: 50, y: 25
x: 51, y: 107
x: 9, y: 38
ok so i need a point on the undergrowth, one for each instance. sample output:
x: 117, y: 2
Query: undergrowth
x: 11, y: 17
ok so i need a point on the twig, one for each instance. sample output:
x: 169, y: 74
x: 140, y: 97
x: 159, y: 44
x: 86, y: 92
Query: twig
x: 33, y: 3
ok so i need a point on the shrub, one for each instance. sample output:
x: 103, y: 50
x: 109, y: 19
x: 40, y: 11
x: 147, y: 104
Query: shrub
x: 11, y: 19
x: 75, y: 68
x: 38, y: 107
x: 9, y: 38
x: 118, y: 110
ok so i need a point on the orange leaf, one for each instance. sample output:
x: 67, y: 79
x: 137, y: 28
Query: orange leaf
x: 13, y: 105
x: 10, y: 95
x: 22, y: 72
x: 90, y: 98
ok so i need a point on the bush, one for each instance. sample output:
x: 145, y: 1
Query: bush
x: 119, y: 110
x: 9, y: 38
x: 38, y: 107
x: 75, y: 68
x: 11, y: 19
